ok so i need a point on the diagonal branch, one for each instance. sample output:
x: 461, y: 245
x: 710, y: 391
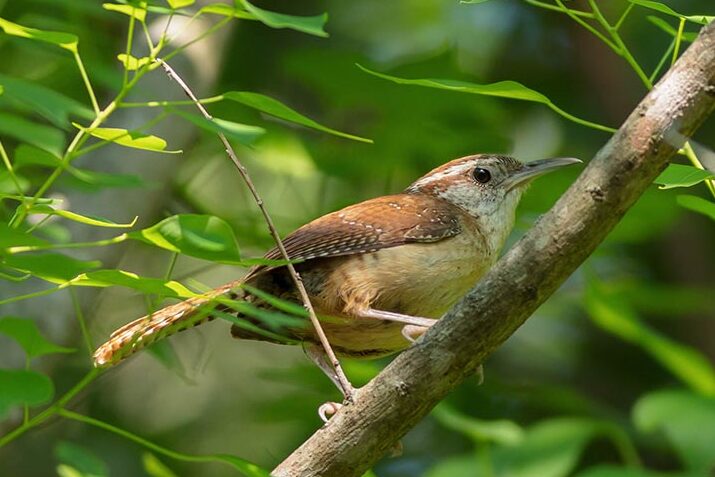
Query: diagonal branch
x: 392, y: 403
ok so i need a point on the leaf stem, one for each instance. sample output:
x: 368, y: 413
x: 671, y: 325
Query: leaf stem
x: 693, y: 158
x: 620, y: 47
x: 548, y: 6
x: 623, y: 17
x: 580, y: 121
x: 128, y: 51
x: 80, y: 320
x: 98, y: 243
x: 87, y: 84
x: 588, y: 27
x: 662, y: 61
x: 155, y: 104
x: 11, y: 171
x: 678, y: 39
x: 225, y: 459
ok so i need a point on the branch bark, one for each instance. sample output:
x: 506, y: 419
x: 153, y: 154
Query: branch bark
x: 406, y: 390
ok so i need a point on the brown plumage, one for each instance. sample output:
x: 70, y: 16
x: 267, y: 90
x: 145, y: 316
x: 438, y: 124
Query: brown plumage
x: 414, y: 253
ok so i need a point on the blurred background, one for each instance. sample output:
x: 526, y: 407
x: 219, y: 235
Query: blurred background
x: 616, y: 369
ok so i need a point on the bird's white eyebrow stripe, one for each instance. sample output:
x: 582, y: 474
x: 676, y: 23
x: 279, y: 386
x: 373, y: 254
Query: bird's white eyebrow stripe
x: 451, y: 170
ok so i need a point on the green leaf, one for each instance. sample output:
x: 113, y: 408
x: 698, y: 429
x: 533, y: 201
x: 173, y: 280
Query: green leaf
x: 180, y: 3
x: 75, y: 217
x: 27, y: 335
x: 23, y: 387
x: 52, y: 267
x: 697, y: 204
x: 662, y: 8
x: 154, y: 467
x: 138, y: 12
x: 686, y: 419
x: 678, y: 175
x: 84, y: 461
x: 106, y: 278
x: 550, y: 448
x: 131, y: 139
x: 226, y: 11
x: 613, y: 314
x: 665, y: 26
x: 53, y: 106
x: 201, y: 236
x: 26, y: 155
x: 47, y: 138
x: 242, y: 133
x: 502, y: 89
x: 101, y: 180
x: 10, y: 237
x: 275, y: 108
x: 501, y: 431
x: 311, y: 25
x: 132, y: 63
x: 31, y: 156
x: 63, y: 40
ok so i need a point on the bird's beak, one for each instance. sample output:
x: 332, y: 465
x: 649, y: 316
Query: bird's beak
x: 534, y: 169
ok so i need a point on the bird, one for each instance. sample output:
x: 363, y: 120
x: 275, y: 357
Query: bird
x: 378, y: 273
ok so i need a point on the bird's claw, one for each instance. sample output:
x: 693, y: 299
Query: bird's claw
x: 328, y: 410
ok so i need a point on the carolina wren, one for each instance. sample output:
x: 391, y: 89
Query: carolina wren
x: 378, y: 273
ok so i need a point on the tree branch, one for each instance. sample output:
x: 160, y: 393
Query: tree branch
x: 406, y: 390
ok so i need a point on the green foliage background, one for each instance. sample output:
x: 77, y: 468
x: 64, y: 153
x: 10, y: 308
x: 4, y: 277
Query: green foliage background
x: 103, y: 219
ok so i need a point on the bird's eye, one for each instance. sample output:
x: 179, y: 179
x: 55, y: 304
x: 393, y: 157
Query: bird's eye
x: 482, y: 175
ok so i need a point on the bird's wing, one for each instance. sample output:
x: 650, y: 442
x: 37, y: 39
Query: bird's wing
x: 373, y: 225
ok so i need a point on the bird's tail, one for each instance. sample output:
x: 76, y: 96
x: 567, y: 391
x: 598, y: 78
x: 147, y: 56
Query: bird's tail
x: 140, y: 333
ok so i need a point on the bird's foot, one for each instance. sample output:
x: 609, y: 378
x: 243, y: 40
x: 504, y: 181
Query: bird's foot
x: 328, y: 410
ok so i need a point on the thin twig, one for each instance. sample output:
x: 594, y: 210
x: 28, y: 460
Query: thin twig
x: 347, y: 388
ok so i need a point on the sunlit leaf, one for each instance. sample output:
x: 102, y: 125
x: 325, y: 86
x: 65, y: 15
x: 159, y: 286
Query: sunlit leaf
x: 86, y: 462
x: 106, y: 278
x: 610, y: 312
x: 154, y: 467
x: 678, y: 175
x: 242, y: 133
x: 201, y: 236
x: 226, y: 11
x: 132, y: 63
x: 63, y: 40
x: 53, y: 267
x: 502, y: 89
x: 50, y: 104
x: 64, y: 470
x: 311, y: 25
x: 688, y: 421
x: 666, y: 27
x: 28, y: 336
x: 663, y: 8
x: 45, y: 137
x: 498, y: 431
x: 138, y: 12
x: 23, y: 387
x: 131, y: 139
x: 180, y: 3
x: 10, y: 237
x: 75, y: 217
x: 275, y: 108
x: 697, y: 204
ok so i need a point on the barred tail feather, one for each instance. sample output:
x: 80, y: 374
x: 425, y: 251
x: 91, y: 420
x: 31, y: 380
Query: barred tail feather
x: 146, y: 330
